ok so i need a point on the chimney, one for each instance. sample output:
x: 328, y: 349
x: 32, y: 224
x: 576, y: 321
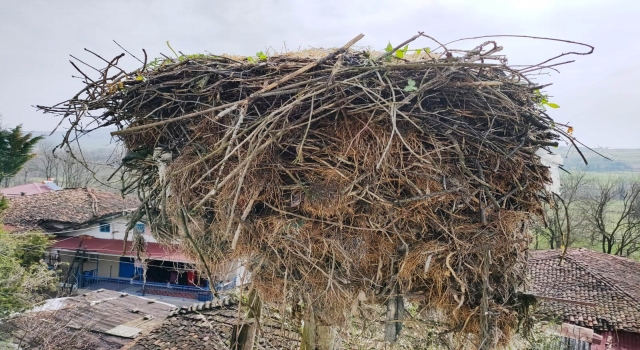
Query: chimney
x: 22, y: 193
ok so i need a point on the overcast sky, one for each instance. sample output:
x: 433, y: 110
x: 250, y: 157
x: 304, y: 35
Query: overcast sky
x: 598, y: 95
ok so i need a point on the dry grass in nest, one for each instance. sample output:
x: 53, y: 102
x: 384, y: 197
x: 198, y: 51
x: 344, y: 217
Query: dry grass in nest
x: 344, y: 174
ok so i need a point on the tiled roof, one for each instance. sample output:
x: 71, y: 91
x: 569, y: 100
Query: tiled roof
x: 116, y: 247
x: 590, y: 289
x: 69, y: 206
x: 102, y: 319
x: 209, y: 325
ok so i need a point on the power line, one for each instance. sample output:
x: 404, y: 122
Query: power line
x: 68, y: 231
x: 97, y: 251
x: 32, y: 249
x: 174, y: 268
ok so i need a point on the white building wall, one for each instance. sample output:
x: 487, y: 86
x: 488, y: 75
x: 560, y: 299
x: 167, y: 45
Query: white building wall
x: 64, y: 256
x: 107, y: 265
x: 118, y: 226
x: 553, y: 161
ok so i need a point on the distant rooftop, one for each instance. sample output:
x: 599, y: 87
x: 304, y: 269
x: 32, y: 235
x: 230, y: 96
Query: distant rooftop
x: 57, y: 209
x: 30, y: 189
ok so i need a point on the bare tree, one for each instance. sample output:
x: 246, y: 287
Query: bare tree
x: 73, y: 173
x: 25, y: 175
x: 95, y: 167
x: 46, y: 162
x: 612, y: 213
x: 564, y: 222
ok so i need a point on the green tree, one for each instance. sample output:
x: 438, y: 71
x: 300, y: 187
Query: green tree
x: 24, y: 278
x: 15, y: 150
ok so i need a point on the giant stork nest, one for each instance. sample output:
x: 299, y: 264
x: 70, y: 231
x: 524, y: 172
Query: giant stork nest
x: 338, y: 174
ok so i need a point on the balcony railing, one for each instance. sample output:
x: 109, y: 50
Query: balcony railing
x: 174, y: 290
x: 153, y: 288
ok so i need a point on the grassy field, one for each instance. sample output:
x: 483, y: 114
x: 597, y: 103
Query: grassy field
x: 622, y: 163
x: 581, y: 242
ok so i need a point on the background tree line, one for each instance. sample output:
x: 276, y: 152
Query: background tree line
x: 67, y: 171
x: 87, y: 169
x: 594, y: 211
x: 25, y: 158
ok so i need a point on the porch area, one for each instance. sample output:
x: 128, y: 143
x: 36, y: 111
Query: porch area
x: 170, y: 293
x: 90, y: 263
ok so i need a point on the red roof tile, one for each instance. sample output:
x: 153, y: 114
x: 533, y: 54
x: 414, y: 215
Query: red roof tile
x: 69, y: 206
x: 590, y: 289
x: 209, y: 325
x: 154, y: 251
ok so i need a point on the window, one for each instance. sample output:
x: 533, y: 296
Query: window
x: 140, y: 227
x: 105, y: 227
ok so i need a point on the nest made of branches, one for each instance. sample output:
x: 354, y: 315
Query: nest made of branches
x: 342, y: 173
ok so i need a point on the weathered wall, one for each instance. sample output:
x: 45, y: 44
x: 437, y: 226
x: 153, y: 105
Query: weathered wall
x: 618, y: 341
x: 107, y: 265
x: 117, y: 230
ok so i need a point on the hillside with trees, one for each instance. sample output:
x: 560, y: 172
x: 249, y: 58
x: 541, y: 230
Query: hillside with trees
x: 596, y: 211
x: 69, y: 168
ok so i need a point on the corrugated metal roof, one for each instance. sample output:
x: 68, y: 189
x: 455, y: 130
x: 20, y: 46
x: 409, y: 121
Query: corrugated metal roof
x: 124, y: 331
x: 30, y: 189
x: 101, y: 319
x: 103, y: 310
x: 52, y: 186
x: 51, y: 305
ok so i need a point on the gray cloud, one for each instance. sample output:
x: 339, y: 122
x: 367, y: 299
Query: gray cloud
x: 597, y: 94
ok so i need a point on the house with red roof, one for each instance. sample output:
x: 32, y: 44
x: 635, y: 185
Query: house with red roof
x: 29, y: 189
x: 91, y: 240
x: 595, y: 296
